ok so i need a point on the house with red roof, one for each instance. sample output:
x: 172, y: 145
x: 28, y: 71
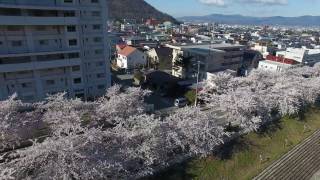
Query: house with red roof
x: 130, y: 58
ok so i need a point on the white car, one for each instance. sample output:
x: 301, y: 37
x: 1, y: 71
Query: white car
x: 180, y: 102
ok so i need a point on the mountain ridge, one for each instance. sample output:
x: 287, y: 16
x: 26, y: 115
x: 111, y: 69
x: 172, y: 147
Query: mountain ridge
x: 136, y: 9
x: 306, y: 20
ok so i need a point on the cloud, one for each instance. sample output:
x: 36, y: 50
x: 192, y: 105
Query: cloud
x: 267, y: 2
x: 222, y: 3
x: 214, y: 2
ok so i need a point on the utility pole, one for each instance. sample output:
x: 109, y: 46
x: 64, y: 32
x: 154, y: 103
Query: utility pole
x: 196, y: 100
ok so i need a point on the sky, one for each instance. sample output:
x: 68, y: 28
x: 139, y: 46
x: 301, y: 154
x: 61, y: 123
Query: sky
x: 259, y: 8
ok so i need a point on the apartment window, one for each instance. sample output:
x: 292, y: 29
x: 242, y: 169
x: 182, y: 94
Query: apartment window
x: 94, y: 1
x: 26, y: 85
x: 96, y: 27
x: 14, y: 28
x: 71, y: 28
x: 97, y: 39
x: 15, y: 60
x: 100, y: 63
x: 68, y: 1
x: 50, y: 82
x: 83, y: 13
x: 77, y: 81
x: 75, y: 68
x: 10, y: 12
x: 16, y: 43
x: 101, y: 75
x: 98, y: 51
x: 73, y: 42
x: 44, y: 42
x: 100, y: 87
x: 69, y: 14
x: 50, y: 57
x: 95, y: 13
x: 24, y: 72
x: 41, y: 28
x: 79, y: 94
x: 28, y: 98
x: 1, y: 43
x: 73, y: 55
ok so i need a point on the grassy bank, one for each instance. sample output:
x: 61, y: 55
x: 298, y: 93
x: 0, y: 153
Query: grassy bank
x: 247, y: 156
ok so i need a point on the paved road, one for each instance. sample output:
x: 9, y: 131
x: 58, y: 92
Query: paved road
x: 301, y: 163
x: 125, y: 80
x: 159, y: 102
x: 220, y: 118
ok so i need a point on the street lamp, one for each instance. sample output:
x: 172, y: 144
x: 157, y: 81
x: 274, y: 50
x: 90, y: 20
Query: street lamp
x: 198, y: 73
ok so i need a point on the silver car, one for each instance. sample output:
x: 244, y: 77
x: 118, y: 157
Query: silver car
x: 180, y: 102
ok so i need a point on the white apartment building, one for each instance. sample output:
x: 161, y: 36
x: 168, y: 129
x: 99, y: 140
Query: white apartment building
x: 50, y: 46
x: 212, y: 58
x: 273, y: 66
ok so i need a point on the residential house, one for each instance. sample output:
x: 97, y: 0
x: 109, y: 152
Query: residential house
x: 130, y: 58
x: 152, y: 22
x: 160, y: 58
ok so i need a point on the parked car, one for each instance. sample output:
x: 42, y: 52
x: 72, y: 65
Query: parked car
x: 180, y: 102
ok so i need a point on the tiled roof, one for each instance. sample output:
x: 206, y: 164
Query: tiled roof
x: 127, y: 51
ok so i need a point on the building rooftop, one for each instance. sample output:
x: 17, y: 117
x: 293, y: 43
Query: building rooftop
x: 206, y: 46
x: 313, y: 51
x: 127, y: 51
x: 276, y: 63
x: 202, y: 51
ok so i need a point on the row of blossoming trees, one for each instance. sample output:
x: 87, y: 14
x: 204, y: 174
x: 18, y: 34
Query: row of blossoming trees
x: 113, y: 137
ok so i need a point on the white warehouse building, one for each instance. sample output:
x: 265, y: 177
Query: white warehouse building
x: 50, y: 46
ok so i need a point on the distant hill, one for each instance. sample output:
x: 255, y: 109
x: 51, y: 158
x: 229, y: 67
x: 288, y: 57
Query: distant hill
x: 136, y: 9
x: 249, y: 20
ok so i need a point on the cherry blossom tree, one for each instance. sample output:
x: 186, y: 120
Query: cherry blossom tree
x: 118, y: 104
x: 7, y: 174
x: 114, y: 137
x: 72, y: 156
x: 63, y: 115
x: 13, y: 121
x: 251, y: 101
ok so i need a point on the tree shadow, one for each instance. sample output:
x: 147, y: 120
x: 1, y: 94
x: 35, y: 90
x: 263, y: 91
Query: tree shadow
x: 175, y: 172
x: 223, y: 152
x: 227, y: 150
x: 270, y: 128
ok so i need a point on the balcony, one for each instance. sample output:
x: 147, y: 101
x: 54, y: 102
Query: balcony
x: 39, y: 65
x: 24, y: 52
x: 37, y: 4
x: 31, y: 20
